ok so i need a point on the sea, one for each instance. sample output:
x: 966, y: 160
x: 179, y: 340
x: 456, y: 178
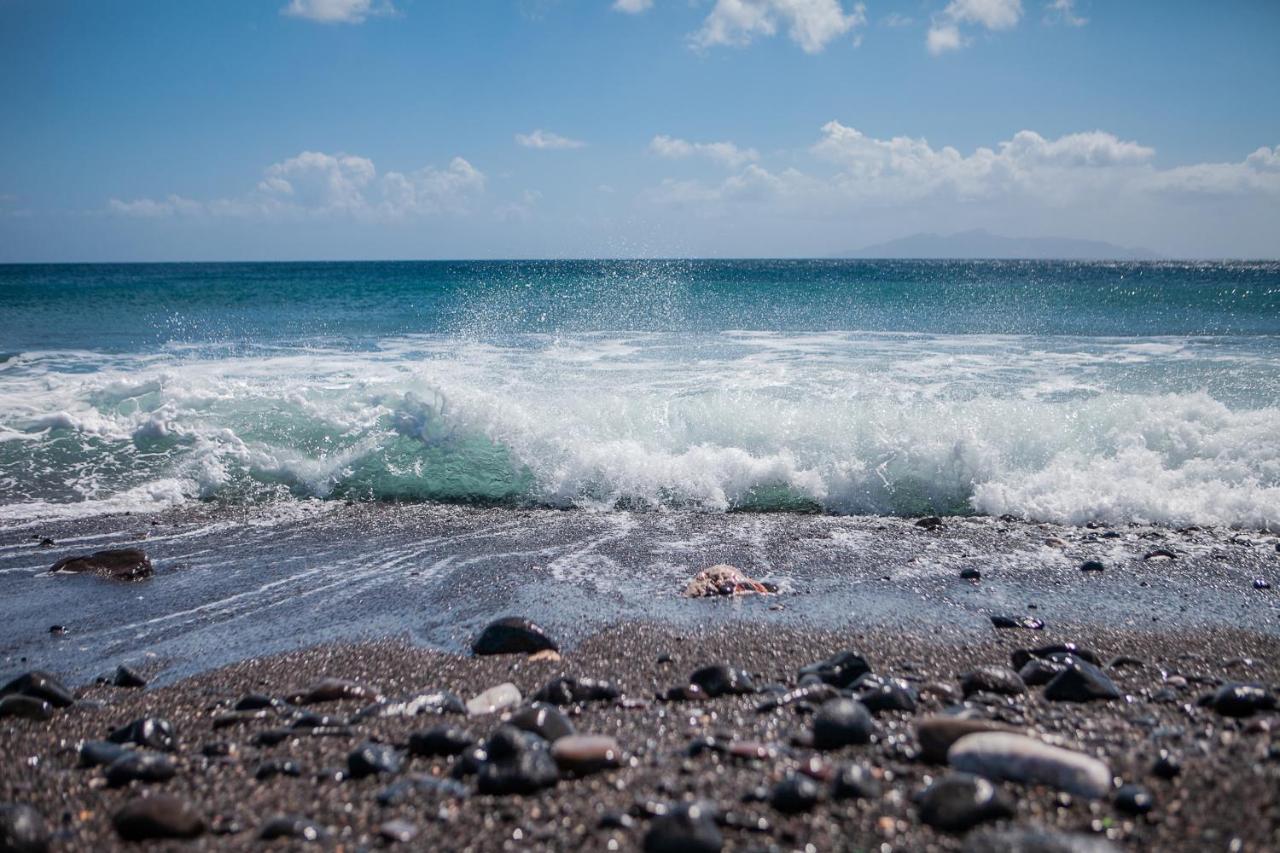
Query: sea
x: 1065, y: 392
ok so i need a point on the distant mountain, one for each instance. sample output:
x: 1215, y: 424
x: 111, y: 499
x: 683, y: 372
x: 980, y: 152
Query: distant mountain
x: 980, y: 243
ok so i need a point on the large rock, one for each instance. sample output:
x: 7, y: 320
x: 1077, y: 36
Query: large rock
x: 724, y: 579
x: 1017, y: 758
x: 1081, y: 681
x: 513, y: 635
x: 1241, y: 700
x: 156, y: 817
x: 122, y: 564
x: 40, y: 685
x: 22, y: 829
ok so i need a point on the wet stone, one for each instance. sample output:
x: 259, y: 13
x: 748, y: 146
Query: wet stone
x: 1004, y: 622
x: 970, y: 574
x: 545, y: 721
x: 854, y: 782
x: 840, y: 670
x: 148, y: 767
x: 22, y: 829
x: 1242, y: 700
x: 291, y: 828
x: 1037, y: 672
x: 495, y: 699
x: 992, y: 679
x: 686, y: 828
x: 1018, y: 758
x: 150, y: 732
x: 960, y: 801
x: 156, y: 817
x: 572, y: 691
x: 122, y: 564
x: 127, y: 677
x: 1081, y: 681
x: 25, y: 708
x: 100, y: 753
x: 518, y: 763
x: 841, y: 722
x: 580, y: 755
x: 371, y: 759
x: 41, y: 685
x: 439, y: 741
x: 1054, y: 651
x: 513, y: 635
x: 721, y: 679
x: 1134, y: 800
x: 277, y: 767
x: 794, y: 794
x: 879, y: 694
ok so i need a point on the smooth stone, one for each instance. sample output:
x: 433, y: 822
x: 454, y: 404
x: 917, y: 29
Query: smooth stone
x: 724, y: 579
x: 1035, y: 840
x: 439, y: 702
x: 854, y: 782
x: 40, y: 685
x: 812, y: 693
x: 970, y: 574
x: 1017, y: 758
x: 513, y: 635
x: 126, y: 677
x: 235, y: 718
x: 1261, y: 583
x: 468, y: 762
x: 960, y: 801
x: 420, y: 786
x: 687, y: 692
x: 439, y: 741
x: 1054, y: 651
x: 936, y: 734
x: 258, y: 702
x: 159, y: 816
x: 1242, y: 700
x: 315, y: 721
x: 580, y: 755
x: 1081, y: 682
x: 495, y: 699
x: 123, y: 564
x: 839, y: 670
x: 277, y: 767
x: 1092, y: 566
x: 25, y: 708
x: 721, y: 679
x: 519, y: 763
x: 398, y: 831
x: 992, y: 679
x: 333, y: 690
x: 134, y: 766
x: 795, y: 794
x: 22, y: 829
x: 151, y: 732
x: 100, y: 753
x: 1037, y: 672
x: 1006, y: 622
x: 1167, y: 765
x: 841, y: 722
x: 571, y: 691
x: 292, y: 828
x: 686, y: 828
x: 879, y: 694
x: 220, y: 749
x: 545, y: 721
x: 929, y: 522
x: 1135, y: 800
x: 372, y: 759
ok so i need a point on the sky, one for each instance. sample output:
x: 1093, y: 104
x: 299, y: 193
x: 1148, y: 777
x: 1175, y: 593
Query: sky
x: 153, y: 130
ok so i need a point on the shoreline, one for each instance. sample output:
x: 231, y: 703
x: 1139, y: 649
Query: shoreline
x: 1220, y: 798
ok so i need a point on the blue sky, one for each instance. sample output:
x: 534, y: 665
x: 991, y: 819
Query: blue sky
x: 287, y: 129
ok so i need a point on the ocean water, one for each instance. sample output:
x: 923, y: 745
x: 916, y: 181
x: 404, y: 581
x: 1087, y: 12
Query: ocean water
x: 1064, y: 392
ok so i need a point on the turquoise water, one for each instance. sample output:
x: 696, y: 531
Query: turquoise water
x: 1057, y: 391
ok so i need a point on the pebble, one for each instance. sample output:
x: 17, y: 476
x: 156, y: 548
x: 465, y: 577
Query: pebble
x: 992, y: 679
x: 1035, y: 840
x: 438, y: 702
x: 258, y: 702
x: 1261, y: 583
x: 441, y: 740
x: 1037, y: 672
x: 1092, y: 566
x: 929, y: 522
x: 1053, y: 651
x: 122, y: 564
x: 724, y: 579
x: 158, y: 816
x: 398, y: 831
x: 812, y: 693
x: 371, y: 759
x: 721, y: 679
x: 854, y: 782
x: 960, y: 801
x: 1134, y: 800
x: 936, y: 734
x: 1167, y: 765
x: 881, y: 694
x: 518, y: 762
x: 840, y: 670
x: 420, y: 786
x: 1241, y: 700
x: 580, y: 755
x: 545, y: 721
x: 1017, y: 758
x: 40, y: 685
x: 292, y: 828
x: 140, y: 767
x: 25, y: 707
x: 95, y: 753
x: 686, y: 828
x: 841, y: 722
x: 570, y: 691
x: 795, y: 794
x: 332, y: 690
x: 22, y: 829
x: 970, y: 574
x: 495, y: 699
x: 1081, y: 681
x: 277, y: 767
x: 512, y: 635
x: 1006, y: 622
x: 151, y: 732
x: 126, y: 677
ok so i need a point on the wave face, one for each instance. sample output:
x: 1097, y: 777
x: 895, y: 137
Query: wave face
x: 1168, y: 413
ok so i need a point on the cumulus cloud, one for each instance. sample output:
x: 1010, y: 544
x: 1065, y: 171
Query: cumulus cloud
x: 632, y: 7
x: 812, y: 24
x: 337, y: 11
x: 725, y: 153
x: 945, y: 30
x: 1063, y: 12
x: 545, y: 139
x: 315, y: 184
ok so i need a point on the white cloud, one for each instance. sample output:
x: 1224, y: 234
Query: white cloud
x: 1063, y: 11
x: 337, y: 11
x: 315, y: 184
x: 945, y: 30
x: 724, y: 153
x: 545, y: 139
x: 632, y: 7
x: 520, y: 210
x: 812, y: 24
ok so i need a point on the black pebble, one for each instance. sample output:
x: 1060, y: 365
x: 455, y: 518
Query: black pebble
x: 440, y: 740
x: 840, y: 670
x: 1132, y: 799
x: 513, y: 635
x: 126, y: 677
x: 687, y: 828
x: 155, y: 817
x: 1081, y: 681
x: 151, y: 732
x: 277, y: 767
x: 140, y: 767
x: 722, y: 679
x: 841, y: 722
x: 292, y: 828
x: 371, y: 759
x: 794, y: 794
x: 959, y: 801
x: 1167, y: 765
